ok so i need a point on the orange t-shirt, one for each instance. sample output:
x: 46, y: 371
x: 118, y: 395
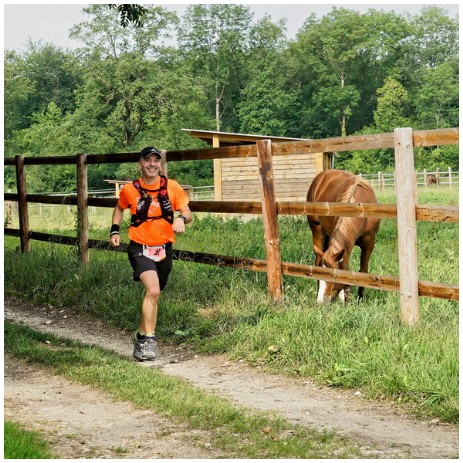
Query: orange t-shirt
x: 153, y: 232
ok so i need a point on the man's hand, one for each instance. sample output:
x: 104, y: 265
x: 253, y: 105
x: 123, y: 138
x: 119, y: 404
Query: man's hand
x: 115, y: 240
x: 178, y: 226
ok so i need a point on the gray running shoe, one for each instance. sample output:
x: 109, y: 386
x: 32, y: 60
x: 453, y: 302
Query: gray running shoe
x: 144, y: 350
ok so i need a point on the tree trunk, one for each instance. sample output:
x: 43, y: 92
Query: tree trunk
x: 217, y: 113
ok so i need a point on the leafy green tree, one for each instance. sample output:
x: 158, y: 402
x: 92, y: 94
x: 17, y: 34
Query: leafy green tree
x: 435, y: 37
x: 437, y: 101
x: 331, y: 49
x: 102, y: 34
x: 47, y: 136
x: 437, y: 157
x: 133, y: 101
x: 338, y: 62
x: 344, y: 73
x: 18, y: 89
x: 263, y: 105
x: 213, y: 38
x: 54, y: 74
x: 437, y: 106
x: 392, y: 107
x: 41, y: 75
x: 130, y: 14
x: 265, y: 101
x: 391, y: 112
x: 432, y: 40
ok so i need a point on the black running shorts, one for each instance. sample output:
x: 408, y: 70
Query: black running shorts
x: 141, y: 264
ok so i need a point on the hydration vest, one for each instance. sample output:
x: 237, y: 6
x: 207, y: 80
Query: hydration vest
x: 145, y: 201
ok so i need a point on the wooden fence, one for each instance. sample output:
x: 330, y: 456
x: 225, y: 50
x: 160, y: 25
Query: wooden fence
x: 427, y: 179
x: 407, y: 211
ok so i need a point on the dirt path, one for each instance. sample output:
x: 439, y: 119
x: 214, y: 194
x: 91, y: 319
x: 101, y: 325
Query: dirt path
x: 80, y: 421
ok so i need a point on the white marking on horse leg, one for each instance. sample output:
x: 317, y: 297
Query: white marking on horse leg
x: 321, y: 290
x: 342, y: 296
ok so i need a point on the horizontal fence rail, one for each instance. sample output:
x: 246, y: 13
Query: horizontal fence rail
x: 368, y: 280
x: 435, y: 179
x: 352, y: 143
x: 407, y: 211
x: 426, y: 213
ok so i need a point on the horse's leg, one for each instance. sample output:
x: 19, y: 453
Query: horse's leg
x: 366, y: 249
x: 317, y: 238
x: 344, y: 295
x: 326, y: 243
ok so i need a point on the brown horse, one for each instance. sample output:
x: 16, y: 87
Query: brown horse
x: 335, y: 237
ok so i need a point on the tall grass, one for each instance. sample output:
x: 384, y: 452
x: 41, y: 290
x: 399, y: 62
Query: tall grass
x: 215, y: 309
x: 21, y: 444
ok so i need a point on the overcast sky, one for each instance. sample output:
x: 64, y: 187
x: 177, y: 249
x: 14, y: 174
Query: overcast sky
x: 51, y: 23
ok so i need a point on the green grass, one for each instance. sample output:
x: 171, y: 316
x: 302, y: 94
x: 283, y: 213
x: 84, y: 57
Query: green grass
x: 21, y: 444
x: 57, y: 216
x: 213, y: 309
x: 236, y: 431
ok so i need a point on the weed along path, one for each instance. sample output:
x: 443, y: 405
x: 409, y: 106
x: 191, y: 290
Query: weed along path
x: 85, y: 423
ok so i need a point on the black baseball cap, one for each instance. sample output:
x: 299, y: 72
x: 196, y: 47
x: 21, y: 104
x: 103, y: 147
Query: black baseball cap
x: 150, y: 151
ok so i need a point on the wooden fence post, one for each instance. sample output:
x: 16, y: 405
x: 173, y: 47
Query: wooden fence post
x: 270, y: 220
x: 22, y: 204
x: 406, y: 224
x: 82, y: 209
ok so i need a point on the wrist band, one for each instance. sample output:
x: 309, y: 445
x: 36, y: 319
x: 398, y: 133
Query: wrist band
x: 114, y: 229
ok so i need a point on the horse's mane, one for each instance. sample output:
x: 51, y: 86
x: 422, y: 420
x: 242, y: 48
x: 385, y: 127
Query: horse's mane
x: 344, y: 234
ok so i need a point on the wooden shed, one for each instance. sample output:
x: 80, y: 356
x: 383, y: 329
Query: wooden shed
x: 238, y: 178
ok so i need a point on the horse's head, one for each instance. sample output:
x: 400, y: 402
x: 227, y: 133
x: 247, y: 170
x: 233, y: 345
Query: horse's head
x: 328, y: 291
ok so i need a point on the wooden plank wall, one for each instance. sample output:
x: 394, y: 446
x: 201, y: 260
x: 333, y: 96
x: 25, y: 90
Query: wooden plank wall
x: 292, y: 177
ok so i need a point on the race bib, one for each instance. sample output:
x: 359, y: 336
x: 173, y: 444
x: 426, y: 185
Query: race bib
x: 155, y: 253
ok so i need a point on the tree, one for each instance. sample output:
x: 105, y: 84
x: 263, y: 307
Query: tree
x: 130, y: 14
x: 338, y: 62
x: 345, y: 73
x: 213, y: 37
x: 265, y: 101
x: 103, y: 35
x: 437, y: 102
x: 48, y: 136
x: 432, y: 40
x: 116, y: 98
x: 123, y: 76
x: 334, y: 47
x: 435, y: 37
x: 43, y: 74
x: 437, y: 106
x: 392, y: 107
x: 18, y: 89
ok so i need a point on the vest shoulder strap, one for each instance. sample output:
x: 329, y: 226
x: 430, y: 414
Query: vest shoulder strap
x: 167, y: 212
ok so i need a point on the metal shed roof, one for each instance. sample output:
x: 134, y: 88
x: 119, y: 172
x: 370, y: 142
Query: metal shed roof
x: 227, y: 138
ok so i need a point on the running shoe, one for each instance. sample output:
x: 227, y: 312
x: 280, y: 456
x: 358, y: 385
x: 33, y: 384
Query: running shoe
x: 144, y: 350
